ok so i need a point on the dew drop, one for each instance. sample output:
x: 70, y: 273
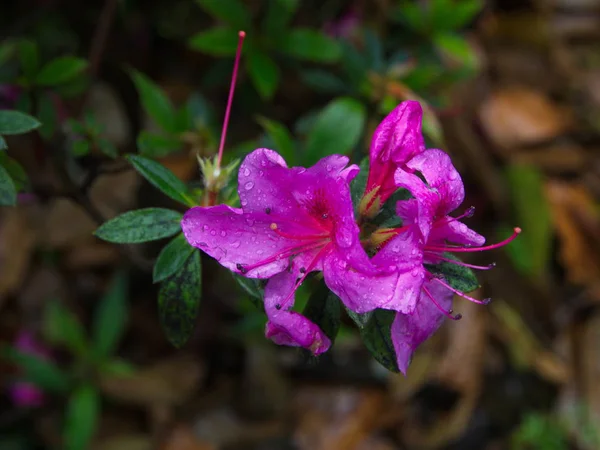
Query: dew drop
x: 204, y: 227
x: 235, y: 244
x: 249, y: 185
x: 453, y: 175
x: 415, y: 272
x: 223, y: 233
x: 328, y: 167
x: 244, y: 202
x: 246, y: 172
x: 213, y: 233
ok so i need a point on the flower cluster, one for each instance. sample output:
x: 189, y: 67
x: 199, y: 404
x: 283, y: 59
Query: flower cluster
x: 294, y: 221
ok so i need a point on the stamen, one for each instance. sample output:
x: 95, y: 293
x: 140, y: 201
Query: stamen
x: 446, y: 313
x: 242, y: 35
x: 267, y: 210
x: 290, y: 251
x: 463, y: 264
x: 508, y: 240
x: 276, y: 229
x: 485, y: 301
x: 468, y: 213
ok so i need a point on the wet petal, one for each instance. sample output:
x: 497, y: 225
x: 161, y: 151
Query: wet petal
x: 454, y: 231
x: 410, y: 330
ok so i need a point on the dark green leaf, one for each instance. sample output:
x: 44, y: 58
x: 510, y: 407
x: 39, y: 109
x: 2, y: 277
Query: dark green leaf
x: 178, y: 301
x: 154, y: 101
x: 63, y: 328
x: 217, y: 41
x: 387, y: 217
x: 141, y: 225
x: 337, y: 129
x: 39, y: 372
x: 8, y: 192
x: 3, y: 145
x: 60, y: 70
x: 15, y: 170
x: 458, y: 49
x: 358, y: 185
x: 80, y: 147
x: 310, y: 45
x: 354, y: 64
x: 278, y: 16
x: 16, y: 122
x: 378, y: 339
x: 323, y: 309
x: 264, y: 73
x: 157, y: 145
x: 361, y: 320
x: 323, y: 81
x: 107, y: 148
x: 459, y: 277
x: 81, y: 418
x: 232, y: 12
x: 281, y: 137
x: 374, y: 51
x: 29, y: 57
x: 7, y: 50
x: 110, y: 318
x: 252, y: 286
x: 171, y: 258
x: 48, y: 116
x: 463, y: 12
x: 161, y: 178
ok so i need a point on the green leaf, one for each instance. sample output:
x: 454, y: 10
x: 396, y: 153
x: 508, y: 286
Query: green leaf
x: 63, y: 328
x: 48, y: 116
x: 107, y: 148
x: 60, y: 70
x: 281, y: 137
x: 387, y: 217
x: 178, y: 301
x: 8, y: 192
x: 141, y: 225
x: 264, y: 73
x: 157, y: 145
x: 278, y: 16
x: 252, y: 286
x: 42, y: 373
x: 532, y: 213
x: 359, y: 184
x: 323, y: 81
x: 377, y: 337
x: 232, y: 12
x: 311, y: 45
x: 15, y: 170
x: 459, y: 277
x: 323, y: 309
x: 171, y: 258
x: 29, y: 57
x: 217, y: 41
x: 3, y: 145
x: 463, y: 12
x: 458, y: 49
x: 161, y: 178
x: 338, y: 129
x: 7, y: 50
x: 154, y: 101
x: 80, y: 147
x: 16, y: 122
x: 361, y: 320
x: 110, y: 318
x: 81, y: 418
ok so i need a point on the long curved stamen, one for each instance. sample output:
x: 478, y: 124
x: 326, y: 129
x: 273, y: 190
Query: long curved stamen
x: 276, y: 229
x: 508, y: 240
x: 468, y: 213
x: 462, y: 294
x: 446, y: 313
x: 282, y: 254
x: 460, y: 263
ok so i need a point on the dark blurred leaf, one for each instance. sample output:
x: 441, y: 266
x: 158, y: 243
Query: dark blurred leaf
x: 178, y: 301
x: 462, y: 12
x: 8, y: 192
x: 310, y: 45
x: 141, y: 225
x: 323, y: 81
x: 354, y: 64
x: 358, y: 185
x: 81, y: 418
x: 157, y: 145
x: 361, y: 320
x: 458, y: 49
x: 278, y: 16
x: 29, y: 58
x: 264, y: 73
x: 412, y: 14
x: 7, y: 50
x: 107, y: 147
x: 460, y: 278
x: 60, y: 70
x: 15, y: 170
x: 252, y: 286
x: 377, y: 338
x: 63, y: 328
x: 80, y: 147
x: 48, y: 116
x: 281, y: 137
x: 338, y: 129
x: 43, y: 374
x: 154, y: 101
x: 161, y: 178
x: 110, y: 318
x: 232, y: 12
x: 387, y: 217
x: 374, y: 51
x: 3, y: 145
x: 171, y: 258
x: 16, y: 122
x: 217, y: 41
x: 323, y: 309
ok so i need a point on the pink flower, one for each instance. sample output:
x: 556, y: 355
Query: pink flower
x: 396, y: 140
x: 292, y: 221
x: 23, y: 393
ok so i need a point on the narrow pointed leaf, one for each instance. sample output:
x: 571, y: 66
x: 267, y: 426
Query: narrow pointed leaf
x: 459, y: 277
x: 217, y: 41
x: 361, y: 320
x: 38, y: 371
x: 154, y: 101
x: 81, y: 418
x: 281, y: 137
x: 8, y: 193
x: 232, y: 12
x: 377, y: 337
x: 157, y: 145
x: 141, y: 225
x: 310, y: 45
x: 171, y: 258
x: 110, y: 318
x: 16, y: 122
x: 60, y: 70
x: 323, y: 309
x: 264, y: 73
x: 62, y: 328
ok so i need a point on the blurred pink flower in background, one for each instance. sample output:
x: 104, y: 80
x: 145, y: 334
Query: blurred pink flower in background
x: 23, y: 393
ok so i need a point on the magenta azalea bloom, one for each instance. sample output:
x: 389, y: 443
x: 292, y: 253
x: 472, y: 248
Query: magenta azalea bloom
x: 396, y: 140
x: 292, y: 221
x: 24, y: 393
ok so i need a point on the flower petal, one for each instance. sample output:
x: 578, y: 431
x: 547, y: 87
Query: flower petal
x: 410, y: 330
x: 455, y: 232
x: 238, y: 240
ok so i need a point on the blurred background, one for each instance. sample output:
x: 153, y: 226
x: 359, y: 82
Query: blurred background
x: 511, y: 89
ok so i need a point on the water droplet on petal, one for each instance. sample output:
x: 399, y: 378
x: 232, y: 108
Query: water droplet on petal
x: 246, y: 172
x: 249, y: 185
x: 415, y: 272
x: 235, y: 244
x: 204, y: 227
x: 223, y: 233
x: 244, y: 202
x: 328, y: 167
x: 453, y: 175
x: 213, y: 233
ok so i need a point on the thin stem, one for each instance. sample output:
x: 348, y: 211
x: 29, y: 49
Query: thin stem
x: 508, y: 240
x: 236, y: 64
